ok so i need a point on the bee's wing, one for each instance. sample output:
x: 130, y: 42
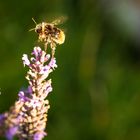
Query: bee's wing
x: 60, y: 20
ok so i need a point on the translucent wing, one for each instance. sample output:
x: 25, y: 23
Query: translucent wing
x: 60, y: 20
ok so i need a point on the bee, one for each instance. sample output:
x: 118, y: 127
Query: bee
x: 49, y: 34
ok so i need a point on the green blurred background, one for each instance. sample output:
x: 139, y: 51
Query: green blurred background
x: 96, y: 87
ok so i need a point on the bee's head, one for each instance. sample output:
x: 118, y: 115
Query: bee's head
x: 38, y: 28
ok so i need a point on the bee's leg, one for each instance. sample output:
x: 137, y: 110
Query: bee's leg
x: 46, y: 46
x: 53, y: 47
x: 53, y: 51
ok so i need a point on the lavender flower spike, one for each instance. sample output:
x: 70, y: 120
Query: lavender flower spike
x: 35, y: 106
x: 27, y: 118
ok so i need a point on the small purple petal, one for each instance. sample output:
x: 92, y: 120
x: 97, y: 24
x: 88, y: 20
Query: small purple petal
x: 52, y: 63
x: 29, y: 90
x: 34, y: 103
x: 25, y: 60
x: 2, y: 116
x: 47, y: 57
x: 45, y: 69
x: 2, y: 119
x: 33, y: 59
x: 11, y: 132
x: 49, y: 89
x: 39, y: 135
x: 37, y: 51
x: 21, y: 95
x: 42, y: 58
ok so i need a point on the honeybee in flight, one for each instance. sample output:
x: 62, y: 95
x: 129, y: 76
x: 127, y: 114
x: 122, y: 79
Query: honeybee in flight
x: 49, y: 34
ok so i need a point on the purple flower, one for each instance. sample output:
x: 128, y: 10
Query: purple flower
x: 25, y: 60
x: 21, y: 95
x: 39, y: 135
x: 52, y: 63
x: 37, y: 52
x: 34, y: 100
x: 11, y: 132
x: 2, y: 117
x: 27, y: 118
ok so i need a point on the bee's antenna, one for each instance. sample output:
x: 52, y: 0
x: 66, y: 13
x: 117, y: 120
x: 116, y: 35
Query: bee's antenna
x: 34, y: 21
x: 35, y: 24
x: 32, y: 29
